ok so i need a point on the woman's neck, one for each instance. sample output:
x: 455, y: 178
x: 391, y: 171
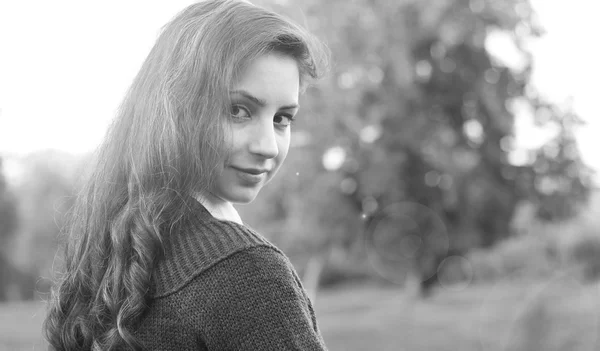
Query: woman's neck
x: 218, y: 207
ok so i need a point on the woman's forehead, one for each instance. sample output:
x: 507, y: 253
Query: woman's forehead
x: 271, y: 78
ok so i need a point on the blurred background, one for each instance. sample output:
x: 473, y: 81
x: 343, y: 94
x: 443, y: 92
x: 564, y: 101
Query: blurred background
x: 441, y: 191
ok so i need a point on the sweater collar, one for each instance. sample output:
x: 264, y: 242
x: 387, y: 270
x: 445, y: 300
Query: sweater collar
x: 202, y: 241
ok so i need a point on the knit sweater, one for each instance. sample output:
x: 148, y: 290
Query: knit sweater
x: 222, y: 286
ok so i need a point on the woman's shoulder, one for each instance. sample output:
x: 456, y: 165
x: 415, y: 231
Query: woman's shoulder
x: 200, y: 245
x: 258, y: 264
x: 235, y: 290
x: 262, y: 274
x: 253, y: 300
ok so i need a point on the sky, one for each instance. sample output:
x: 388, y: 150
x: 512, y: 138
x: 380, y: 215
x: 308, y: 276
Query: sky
x: 66, y: 64
x: 567, y: 66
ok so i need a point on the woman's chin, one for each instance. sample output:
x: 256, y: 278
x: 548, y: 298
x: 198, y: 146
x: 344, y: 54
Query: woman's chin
x: 242, y: 197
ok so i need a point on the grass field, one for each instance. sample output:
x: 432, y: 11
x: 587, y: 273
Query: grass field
x: 556, y: 314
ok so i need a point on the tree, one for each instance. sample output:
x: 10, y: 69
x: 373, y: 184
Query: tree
x: 45, y: 194
x: 8, y: 210
x: 8, y: 225
x: 559, y: 179
x: 423, y: 113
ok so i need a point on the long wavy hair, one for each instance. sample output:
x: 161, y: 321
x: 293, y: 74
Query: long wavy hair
x: 166, y: 142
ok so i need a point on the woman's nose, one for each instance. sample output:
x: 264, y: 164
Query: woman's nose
x: 263, y: 142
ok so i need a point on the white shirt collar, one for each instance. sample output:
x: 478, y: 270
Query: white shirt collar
x: 219, y: 208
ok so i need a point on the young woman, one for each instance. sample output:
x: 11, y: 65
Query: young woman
x: 156, y: 256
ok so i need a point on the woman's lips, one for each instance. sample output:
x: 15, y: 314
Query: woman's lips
x: 252, y: 176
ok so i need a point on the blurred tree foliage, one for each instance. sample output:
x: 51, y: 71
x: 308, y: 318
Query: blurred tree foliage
x: 559, y: 178
x: 417, y: 110
x: 43, y: 194
x: 8, y: 225
x: 8, y: 211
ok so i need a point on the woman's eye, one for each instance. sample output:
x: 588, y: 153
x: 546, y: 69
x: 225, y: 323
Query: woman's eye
x: 283, y: 120
x: 239, y: 112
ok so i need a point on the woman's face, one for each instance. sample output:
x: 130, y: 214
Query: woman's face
x: 263, y: 103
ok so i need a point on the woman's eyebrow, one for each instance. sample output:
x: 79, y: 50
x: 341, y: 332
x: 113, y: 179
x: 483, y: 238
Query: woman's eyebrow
x: 260, y: 102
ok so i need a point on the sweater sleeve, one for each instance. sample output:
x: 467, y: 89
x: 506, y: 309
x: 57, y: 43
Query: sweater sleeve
x: 254, y: 302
